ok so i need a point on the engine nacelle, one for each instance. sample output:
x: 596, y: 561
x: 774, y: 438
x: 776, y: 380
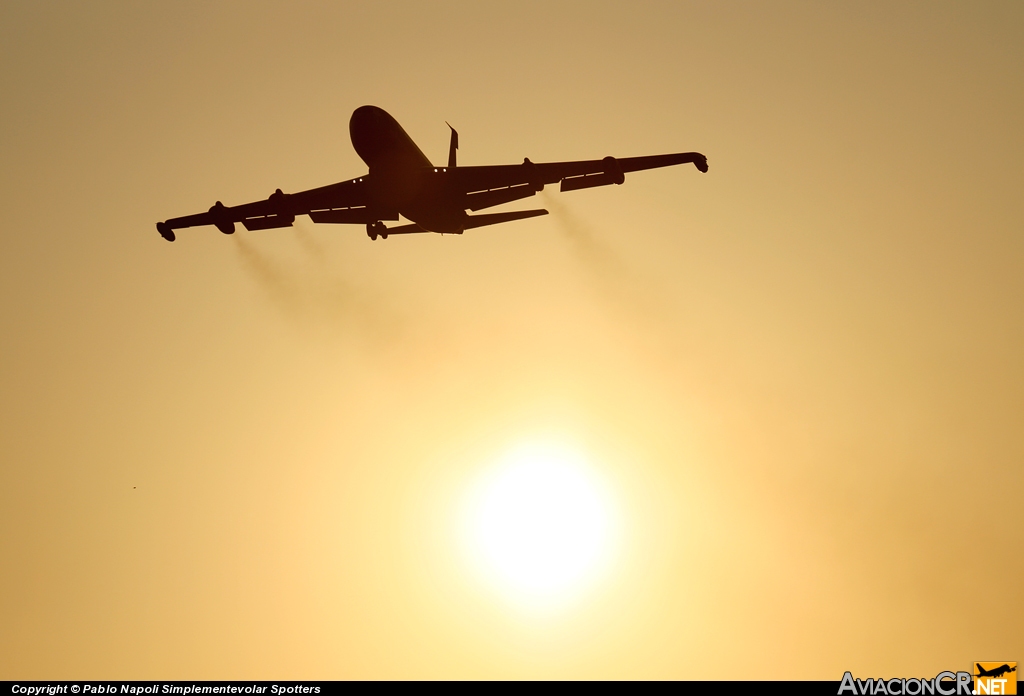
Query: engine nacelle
x: 614, y: 170
x: 279, y: 202
x: 533, y: 175
x: 220, y: 218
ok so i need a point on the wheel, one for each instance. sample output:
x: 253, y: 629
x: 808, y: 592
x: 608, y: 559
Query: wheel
x: 377, y: 229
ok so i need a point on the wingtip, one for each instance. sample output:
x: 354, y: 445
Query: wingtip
x: 165, y: 231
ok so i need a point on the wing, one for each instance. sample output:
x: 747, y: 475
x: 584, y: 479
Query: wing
x: 344, y: 202
x: 499, y: 183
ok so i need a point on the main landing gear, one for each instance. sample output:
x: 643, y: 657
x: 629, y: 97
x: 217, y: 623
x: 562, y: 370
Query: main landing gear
x: 376, y: 229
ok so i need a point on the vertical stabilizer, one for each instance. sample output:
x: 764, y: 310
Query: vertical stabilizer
x: 453, y: 147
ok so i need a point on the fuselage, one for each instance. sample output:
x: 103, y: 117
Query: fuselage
x: 402, y: 179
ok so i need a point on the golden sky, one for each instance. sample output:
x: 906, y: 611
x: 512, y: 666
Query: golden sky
x: 799, y: 378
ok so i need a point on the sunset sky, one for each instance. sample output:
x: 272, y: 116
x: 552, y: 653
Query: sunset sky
x: 794, y: 385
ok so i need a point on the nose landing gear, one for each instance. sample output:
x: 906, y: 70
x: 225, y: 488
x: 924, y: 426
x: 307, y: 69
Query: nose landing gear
x: 376, y: 229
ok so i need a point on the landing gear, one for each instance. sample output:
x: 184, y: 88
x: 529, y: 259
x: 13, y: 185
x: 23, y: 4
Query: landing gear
x: 375, y: 229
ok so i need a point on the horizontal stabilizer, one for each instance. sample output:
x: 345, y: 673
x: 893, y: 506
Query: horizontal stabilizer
x: 475, y: 221
x: 406, y: 229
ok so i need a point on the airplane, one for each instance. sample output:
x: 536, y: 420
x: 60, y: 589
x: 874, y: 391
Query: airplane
x: 402, y: 181
x: 995, y: 672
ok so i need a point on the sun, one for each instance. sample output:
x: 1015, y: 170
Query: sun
x: 540, y: 524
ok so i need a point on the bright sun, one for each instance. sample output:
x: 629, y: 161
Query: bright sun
x: 540, y: 524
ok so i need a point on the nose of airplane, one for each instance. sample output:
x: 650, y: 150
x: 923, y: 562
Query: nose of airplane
x: 368, y: 114
x: 369, y: 119
x: 368, y: 129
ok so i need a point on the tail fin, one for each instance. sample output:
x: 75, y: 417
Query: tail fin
x: 453, y: 146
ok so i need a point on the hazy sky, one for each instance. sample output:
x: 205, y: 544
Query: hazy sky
x: 801, y: 375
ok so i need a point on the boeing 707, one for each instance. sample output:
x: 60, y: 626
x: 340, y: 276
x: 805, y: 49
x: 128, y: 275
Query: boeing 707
x: 402, y: 182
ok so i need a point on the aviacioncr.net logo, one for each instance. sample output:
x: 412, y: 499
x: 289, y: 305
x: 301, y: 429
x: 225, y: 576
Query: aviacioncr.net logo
x: 995, y: 678
x: 942, y: 684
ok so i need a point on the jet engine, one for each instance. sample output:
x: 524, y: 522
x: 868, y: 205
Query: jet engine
x: 533, y: 175
x: 220, y: 218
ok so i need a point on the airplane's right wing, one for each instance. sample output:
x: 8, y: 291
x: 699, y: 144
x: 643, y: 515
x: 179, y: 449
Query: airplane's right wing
x: 496, y: 184
x: 344, y: 202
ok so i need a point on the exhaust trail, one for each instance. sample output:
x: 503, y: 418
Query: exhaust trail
x: 631, y: 295
x: 308, y: 242
x: 620, y: 286
x: 268, y: 275
x: 316, y: 296
x: 600, y: 258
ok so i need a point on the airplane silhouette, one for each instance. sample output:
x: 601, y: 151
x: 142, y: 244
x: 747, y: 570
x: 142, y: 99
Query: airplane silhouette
x: 402, y: 181
x: 995, y: 671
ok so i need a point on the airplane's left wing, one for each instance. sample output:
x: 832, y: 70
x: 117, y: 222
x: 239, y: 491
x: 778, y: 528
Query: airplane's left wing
x: 344, y: 202
x: 492, y: 185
